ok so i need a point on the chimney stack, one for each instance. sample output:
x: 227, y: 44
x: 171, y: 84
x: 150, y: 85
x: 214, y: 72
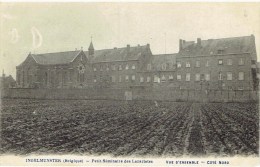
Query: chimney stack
x: 180, y: 45
x: 3, y: 73
x: 128, y: 49
x: 81, y: 48
x: 199, y: 41
x: 76, y: 49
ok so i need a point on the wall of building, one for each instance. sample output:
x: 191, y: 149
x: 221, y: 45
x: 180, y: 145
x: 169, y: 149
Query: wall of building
x: 160, y: 94
x: 213, y: 69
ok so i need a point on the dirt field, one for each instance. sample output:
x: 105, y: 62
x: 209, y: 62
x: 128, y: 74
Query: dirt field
x: 133, y: 128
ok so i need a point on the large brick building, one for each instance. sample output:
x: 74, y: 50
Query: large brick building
x: 217, y: 64
x: 228, y: 63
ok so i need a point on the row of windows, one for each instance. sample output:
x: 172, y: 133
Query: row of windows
x: 115, y: 67
x: 241, y: 61
x: 206, y: 77
x: 198, y: 77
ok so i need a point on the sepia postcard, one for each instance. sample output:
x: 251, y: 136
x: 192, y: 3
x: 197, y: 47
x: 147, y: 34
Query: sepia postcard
x: 129, y: 84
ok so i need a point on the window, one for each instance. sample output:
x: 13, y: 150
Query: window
x: 253, y: 62
x: 241, y: 61
x: 101, y: 68
x: 141, y: 79
x: 178, y: 64
x: 120, y: 67
x: 197, y: 63
x: 113, y: 79
x: 107, y: 68
x: 163, y: 79
x: 149, y: 66
x: 229, y: 62
x: 119, y: 78
x: 113, y: 67
x: 207, y: 77
x: 178, y: 77
x: 220, y: 51
x: 241, y: 76
x: 240, y: 88
x: 126, y: 78
x: 188, y: 77
x: 197, y: 77
x: 207, y: 63
x: 133, y: 67
x: 127, y: 67
x: 95, y: 80
x: 163, y: 66
x: 94, y: 69
x: 220, y: 62
x: 170, y: 77
x: 148, y: 79
x: 156, y: 79
x: 220, y: 76
x: 229, y: 76
x: 133, y: 77
x: 187, y: 64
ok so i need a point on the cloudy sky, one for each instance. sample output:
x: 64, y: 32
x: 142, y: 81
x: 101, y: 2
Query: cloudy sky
x: 53, y: 27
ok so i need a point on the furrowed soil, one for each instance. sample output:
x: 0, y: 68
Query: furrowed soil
x: 128, y: 128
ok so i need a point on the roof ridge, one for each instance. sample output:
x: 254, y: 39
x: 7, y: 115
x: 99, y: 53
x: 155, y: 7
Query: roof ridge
x: 226, y: 38
x: 56, y: 52
x: 119, y: 48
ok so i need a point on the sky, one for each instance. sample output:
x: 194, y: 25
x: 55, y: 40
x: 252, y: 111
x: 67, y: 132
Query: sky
x: 55, y: 27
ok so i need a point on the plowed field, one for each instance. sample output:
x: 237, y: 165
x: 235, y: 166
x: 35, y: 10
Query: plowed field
x: 128, y: 128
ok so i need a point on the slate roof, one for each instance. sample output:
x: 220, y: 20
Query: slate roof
x: 55, y: 58
x: 232, y: 45
x: 118, y: 54
x: 157, y: 61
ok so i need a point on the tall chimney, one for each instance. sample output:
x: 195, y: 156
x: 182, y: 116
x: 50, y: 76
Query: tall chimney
x: 128, y: 49
x: 180, y: 45
x: 199, y: 41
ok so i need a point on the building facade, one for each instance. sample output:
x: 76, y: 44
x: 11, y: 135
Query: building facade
x: 218, y: 64
x: 213, y: 64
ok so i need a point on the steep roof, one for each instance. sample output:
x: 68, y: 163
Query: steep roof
x: 168, y: 59
x: 233, y: 45
x: 118, y: 54
x: 55, y: 58
x: 91, y: 47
